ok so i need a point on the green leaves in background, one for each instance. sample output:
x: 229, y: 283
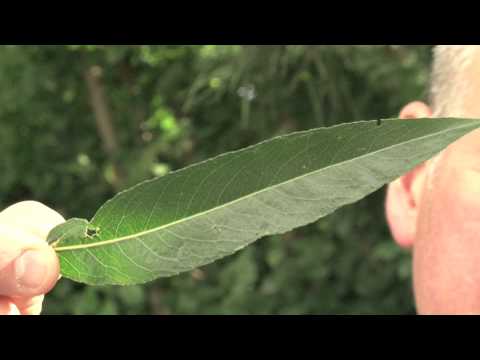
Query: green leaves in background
x: 327, y: 267
x: 204, y: 212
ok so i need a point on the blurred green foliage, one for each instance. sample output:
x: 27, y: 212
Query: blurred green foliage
x: 175, y: 105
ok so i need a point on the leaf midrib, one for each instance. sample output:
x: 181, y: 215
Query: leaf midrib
x: 165, y: 226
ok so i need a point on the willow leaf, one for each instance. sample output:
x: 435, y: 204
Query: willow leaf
x: 209, y: 210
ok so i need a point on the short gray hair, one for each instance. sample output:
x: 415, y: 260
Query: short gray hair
x: 448, y: 85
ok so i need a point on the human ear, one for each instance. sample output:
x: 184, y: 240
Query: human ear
x: 404, y: 194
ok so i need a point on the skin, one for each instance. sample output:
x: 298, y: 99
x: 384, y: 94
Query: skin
x: 29, y: 268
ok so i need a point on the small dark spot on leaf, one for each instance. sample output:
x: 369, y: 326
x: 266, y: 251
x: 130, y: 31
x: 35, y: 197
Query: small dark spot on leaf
x: 92, y: 231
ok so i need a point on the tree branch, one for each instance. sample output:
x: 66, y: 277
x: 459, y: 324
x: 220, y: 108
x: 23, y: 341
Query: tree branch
x: 103, y: 118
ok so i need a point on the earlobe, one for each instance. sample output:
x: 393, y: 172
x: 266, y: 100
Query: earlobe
x: 402, y: 205
x: 401, y: 215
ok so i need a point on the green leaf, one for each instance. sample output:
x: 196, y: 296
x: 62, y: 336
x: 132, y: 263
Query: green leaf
x: 209, y: 210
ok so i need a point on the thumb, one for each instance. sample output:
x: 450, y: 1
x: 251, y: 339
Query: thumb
x: 27, y: 267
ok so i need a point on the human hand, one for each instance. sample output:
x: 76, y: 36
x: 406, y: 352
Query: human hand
x: 29, y: 267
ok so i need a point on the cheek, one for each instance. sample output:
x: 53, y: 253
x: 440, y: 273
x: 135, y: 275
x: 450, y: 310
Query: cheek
x: 455, y: 198
x: 466, y: 191
x: 455, y: 189
x: 454, y: 209
x: 447, y: 246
